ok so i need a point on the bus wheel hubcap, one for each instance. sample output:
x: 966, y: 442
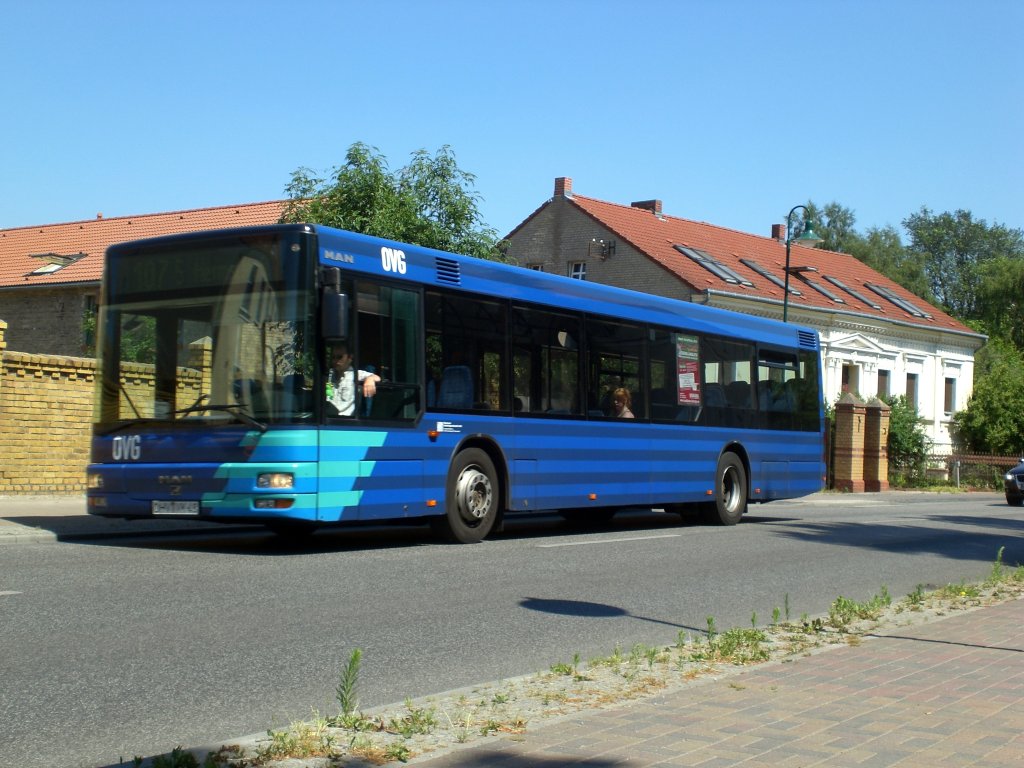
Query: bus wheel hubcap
x: 730, y: 490
x: 474, y: 494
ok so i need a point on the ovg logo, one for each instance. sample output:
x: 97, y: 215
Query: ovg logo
x: 127, y: 448
x: 393, y: 260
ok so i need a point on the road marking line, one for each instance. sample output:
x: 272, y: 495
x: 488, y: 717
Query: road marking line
x: 609, y: 541
x: 5, y: 594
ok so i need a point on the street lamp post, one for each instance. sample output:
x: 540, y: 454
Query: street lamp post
x: 808, y: 238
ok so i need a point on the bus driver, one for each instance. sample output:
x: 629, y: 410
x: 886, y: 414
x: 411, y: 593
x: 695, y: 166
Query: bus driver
x: 341, y: 383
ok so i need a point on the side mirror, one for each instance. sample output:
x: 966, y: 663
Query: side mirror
x: 333, y: 306
x: 334, y: 315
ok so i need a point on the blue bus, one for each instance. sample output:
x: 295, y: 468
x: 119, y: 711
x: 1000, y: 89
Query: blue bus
x: 300, y: 376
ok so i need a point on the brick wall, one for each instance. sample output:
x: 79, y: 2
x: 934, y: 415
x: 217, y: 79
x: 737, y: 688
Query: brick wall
x: 45, y: 421
x: 46, y: 321
x: 560, y: 234
x: 46, y: 413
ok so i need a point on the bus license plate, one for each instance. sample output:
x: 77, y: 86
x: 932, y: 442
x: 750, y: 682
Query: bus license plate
x: 175, y: 507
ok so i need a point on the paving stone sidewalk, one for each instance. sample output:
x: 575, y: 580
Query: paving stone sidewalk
x: 949, y: 692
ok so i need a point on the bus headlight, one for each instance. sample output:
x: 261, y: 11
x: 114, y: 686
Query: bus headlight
x: 275, y: 480
x: 94, y: 481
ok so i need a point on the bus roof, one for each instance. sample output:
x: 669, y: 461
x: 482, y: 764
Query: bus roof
x: 362, y: 253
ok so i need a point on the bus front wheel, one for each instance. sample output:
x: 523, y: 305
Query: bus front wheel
x: 730, y: 492
x: 472, y: 498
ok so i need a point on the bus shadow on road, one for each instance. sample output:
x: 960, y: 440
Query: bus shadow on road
x: 258, y: 541
x: 959, y: 537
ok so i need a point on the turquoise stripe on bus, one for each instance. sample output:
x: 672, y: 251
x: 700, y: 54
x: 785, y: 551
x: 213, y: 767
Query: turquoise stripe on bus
x: 352, y: 438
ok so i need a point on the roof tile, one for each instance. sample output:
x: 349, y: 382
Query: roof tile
x: 21, y: 247
x: 656, y: 236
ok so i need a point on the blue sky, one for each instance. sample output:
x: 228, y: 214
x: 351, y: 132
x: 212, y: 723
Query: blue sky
x: 730, y: 112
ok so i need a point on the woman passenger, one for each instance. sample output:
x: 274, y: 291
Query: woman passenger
x: 623, y: 402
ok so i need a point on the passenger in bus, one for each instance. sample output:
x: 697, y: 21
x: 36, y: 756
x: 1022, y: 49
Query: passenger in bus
x: 623, y: 403
x: 341, y: 383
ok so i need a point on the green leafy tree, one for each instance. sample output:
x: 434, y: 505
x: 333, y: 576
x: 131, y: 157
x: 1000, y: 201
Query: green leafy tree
x: 907, y: 445
x: 954, y: 247
x: 834, y: 224
x: 882, y: 250
x: 430, y: 202
x: 880, y: 247
x: 1001, y: 299
x: 993, y: 421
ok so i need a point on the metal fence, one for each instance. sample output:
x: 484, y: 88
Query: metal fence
x: 978, y: 470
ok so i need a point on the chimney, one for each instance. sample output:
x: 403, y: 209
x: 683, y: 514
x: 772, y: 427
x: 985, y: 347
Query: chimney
x: 99, y: 215
x: 563, y: 186
x: 779, y: 232
x: 654, y: 206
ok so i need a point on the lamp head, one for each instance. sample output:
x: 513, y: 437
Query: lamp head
x: 809, y: 237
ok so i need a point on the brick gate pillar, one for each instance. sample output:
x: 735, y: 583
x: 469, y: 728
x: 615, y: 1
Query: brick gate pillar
x: 849, y: 447
x: 876, y: 439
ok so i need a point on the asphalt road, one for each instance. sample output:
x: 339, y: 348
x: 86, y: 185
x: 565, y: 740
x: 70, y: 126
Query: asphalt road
x: 114, y: 649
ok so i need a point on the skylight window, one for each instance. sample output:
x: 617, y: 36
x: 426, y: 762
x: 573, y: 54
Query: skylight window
x: 899, y: 301
x: 825, y: 291
x: 709, y: 263
x: 856, y: 294
x: 769, y: 276
x: 53, y: 262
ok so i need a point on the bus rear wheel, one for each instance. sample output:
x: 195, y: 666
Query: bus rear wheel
x: 730, y: 492
x: 472, y: 498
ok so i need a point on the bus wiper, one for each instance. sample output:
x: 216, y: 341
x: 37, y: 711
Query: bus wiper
x: 231, y: 408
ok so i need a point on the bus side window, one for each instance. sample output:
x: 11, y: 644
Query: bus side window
x: 614, y: 354
x: 728, y: 373
x: 466, y: 357
x: 546, y: 354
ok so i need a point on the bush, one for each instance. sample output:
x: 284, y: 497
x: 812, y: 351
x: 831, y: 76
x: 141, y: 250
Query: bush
x: 908, y: 445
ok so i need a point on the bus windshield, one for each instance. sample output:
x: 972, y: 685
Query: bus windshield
x: 216, y: 332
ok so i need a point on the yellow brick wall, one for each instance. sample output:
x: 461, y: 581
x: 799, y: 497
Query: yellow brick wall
x: 45, y: 421
x: 46, y: 415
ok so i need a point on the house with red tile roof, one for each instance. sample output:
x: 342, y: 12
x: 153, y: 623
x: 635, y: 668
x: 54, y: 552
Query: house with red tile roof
x: 877, y: 338
x: 50, y: 274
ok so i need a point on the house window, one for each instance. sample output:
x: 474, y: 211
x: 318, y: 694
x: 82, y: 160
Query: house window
x: 949, y: 399
x: 912, y: 390
x: 883, y: 383
x: 851, y: 378
x: 535, y: 267
x: 578, y: 270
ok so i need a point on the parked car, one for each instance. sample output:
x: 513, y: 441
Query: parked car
x: 1013, y: 481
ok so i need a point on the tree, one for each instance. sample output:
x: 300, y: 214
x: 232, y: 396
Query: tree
x: 993, y: 421
x: 430, y: 202
x: 1001, y: 299
x: 833, y: 223
x: 882, y: 250
x: 954, y: 247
